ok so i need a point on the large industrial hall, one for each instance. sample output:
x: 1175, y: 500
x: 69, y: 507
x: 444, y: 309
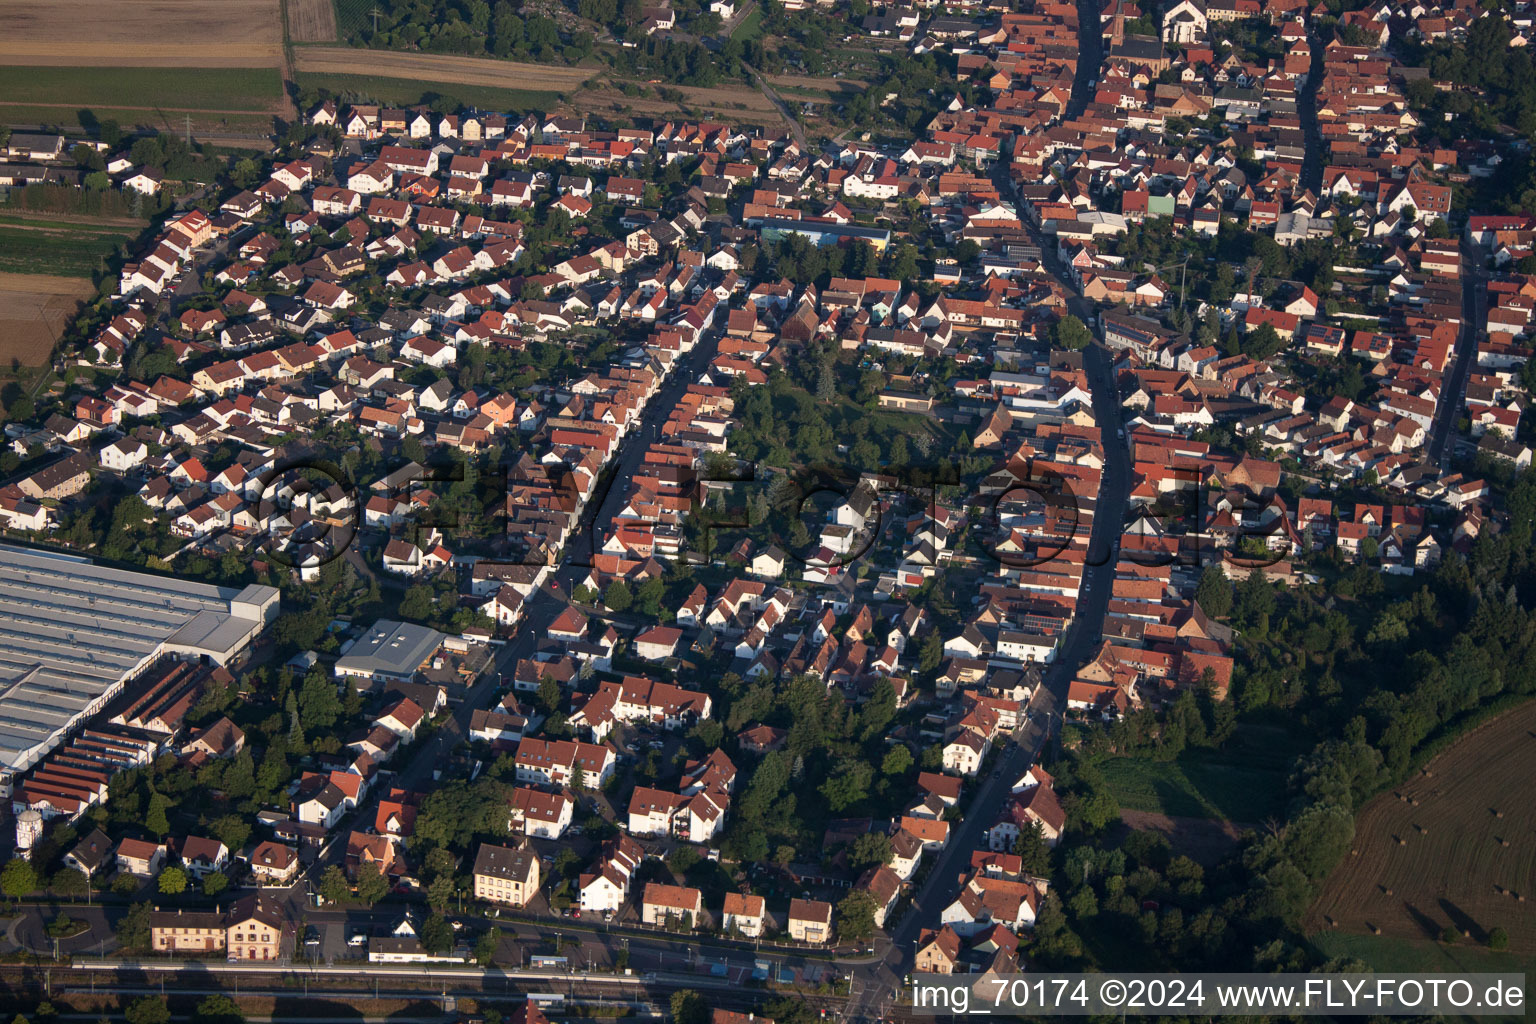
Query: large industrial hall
x: 73, y: 632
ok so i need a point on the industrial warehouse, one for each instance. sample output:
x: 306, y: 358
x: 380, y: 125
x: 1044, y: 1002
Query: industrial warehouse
x: 72, y: 633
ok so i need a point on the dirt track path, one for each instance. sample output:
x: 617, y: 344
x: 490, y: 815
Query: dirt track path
x: 39, y: 218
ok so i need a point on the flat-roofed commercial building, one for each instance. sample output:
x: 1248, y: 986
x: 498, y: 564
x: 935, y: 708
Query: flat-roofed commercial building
x: 390, y: 651
x: 73, y: 632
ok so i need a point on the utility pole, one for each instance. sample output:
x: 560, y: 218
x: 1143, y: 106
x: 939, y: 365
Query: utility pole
x: 189, y: 131
x: 375, y: 12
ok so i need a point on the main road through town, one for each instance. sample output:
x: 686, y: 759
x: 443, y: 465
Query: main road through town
x: 876, y: 985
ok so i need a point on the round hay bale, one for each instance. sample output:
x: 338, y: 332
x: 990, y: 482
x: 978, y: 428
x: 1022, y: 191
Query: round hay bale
x: 1414, y: 801
x: 1498, y: 814
x: 1375, y: 929
x: 1401, y: 841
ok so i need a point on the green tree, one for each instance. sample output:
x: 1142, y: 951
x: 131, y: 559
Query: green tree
x: 319, y: 707
x: 173, y: 881
x: 133, y: 931
x: 682, y: 859
x: 897, y: 761
x: 333, y: 885
x: 218, y: 1009
x: 416, y: 603
x: 856, y: 917
x: 1214, y: 592
x: 233, y: 831
x: 1071, y: 333
x: 441, y: 890
x: 869, y: 850
x: 847, y: 785
x: 440, y: 861
x: 436, y: 935
x: 1033, y: 850
x: 485, y: 949
x: 148, y: 1010
x: 214, y: 883
x: 1498, y: 938
x: 156, y: 819
x: 372, y: 886
x: 69, y: 883
x: 688, y: 1007
x: 18, y: 878
x: 617, y: 597
x: 931, y: 654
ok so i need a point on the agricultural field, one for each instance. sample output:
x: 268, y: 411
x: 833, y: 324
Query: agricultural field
x: 34, y: 309
x: 167, y: 33
x: 68, y: 250
x: 230, y: 90
x: 441, y: 68
x: 310, y: 21
x: 1455, y: 847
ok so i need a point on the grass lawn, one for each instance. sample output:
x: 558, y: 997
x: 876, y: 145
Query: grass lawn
x: 751, y: 26
x: 66, y: 253
x: 1245, y: 782
x: 407, y: 92
x: 1387, y: 955
x: 240, y: 89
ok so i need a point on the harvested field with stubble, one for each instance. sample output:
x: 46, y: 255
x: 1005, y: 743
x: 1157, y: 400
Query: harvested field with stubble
x: 144, y: 33
x: 34, y: 309
x: 441, y: 68
x: 1453, y: 847
x: 311, y: 21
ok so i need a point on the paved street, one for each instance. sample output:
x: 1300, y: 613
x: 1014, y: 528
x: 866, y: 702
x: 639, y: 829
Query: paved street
x: 1474, y: 301
x: 542, y: 607
x: 877, y: 984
